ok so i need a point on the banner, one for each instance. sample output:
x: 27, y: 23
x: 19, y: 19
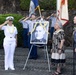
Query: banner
x: 62, y: 11
x: 34, y: 5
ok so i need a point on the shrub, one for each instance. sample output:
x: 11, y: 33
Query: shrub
x: 16, y: 23
x: 46, y: 4
x: 24, y: 4
x: 72, y: 4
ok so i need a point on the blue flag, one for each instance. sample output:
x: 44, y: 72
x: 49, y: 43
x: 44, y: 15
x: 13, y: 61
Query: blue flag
x: 36, y: 3
x: 33, y: 6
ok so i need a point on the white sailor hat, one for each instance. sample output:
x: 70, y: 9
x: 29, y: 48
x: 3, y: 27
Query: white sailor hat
x: 10, y: 18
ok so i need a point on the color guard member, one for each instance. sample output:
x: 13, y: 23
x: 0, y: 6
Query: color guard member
x: 25, y: 31
x: 33, y: 54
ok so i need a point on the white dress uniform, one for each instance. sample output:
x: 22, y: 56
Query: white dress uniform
x: 9, y: 45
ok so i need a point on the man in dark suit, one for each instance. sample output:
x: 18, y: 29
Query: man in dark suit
x: 74, y: 34
x: 74, y: 46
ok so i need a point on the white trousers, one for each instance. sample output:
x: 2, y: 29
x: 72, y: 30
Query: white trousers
x: 9, y: 49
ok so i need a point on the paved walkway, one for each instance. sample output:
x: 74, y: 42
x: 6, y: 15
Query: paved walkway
x: 35, y: 67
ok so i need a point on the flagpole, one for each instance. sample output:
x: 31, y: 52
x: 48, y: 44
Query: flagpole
x: 56, y: 6
x: 39, y: 11
x: 57, y: 10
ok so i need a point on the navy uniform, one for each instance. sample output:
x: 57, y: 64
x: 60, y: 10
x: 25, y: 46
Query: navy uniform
x: 9, y: 42
x: 25, y: 33
x: 33, y: 54
x: 53, y: 19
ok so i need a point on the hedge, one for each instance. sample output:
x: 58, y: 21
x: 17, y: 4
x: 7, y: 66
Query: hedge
x: 16, y: 23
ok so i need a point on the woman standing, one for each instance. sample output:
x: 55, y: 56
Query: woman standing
x: 58, y: 55
x: 10, y: 42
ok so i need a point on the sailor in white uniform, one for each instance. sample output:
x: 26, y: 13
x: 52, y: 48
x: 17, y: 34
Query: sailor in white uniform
x: 10, y: 42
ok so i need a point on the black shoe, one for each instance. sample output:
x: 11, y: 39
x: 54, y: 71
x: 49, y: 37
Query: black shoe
x: 23, y: 47
x: 30, y: 57
x: 33, y: 58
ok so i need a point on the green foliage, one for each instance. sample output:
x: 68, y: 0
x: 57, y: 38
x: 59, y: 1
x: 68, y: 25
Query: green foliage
x: 24, y: 4
x: 72, y: 4
x: 46, y: 4
x: 16, y: 23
